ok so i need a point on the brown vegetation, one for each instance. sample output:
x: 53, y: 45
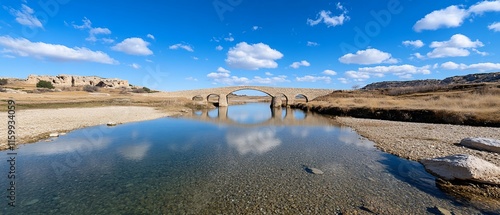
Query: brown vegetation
x: 457, y: 104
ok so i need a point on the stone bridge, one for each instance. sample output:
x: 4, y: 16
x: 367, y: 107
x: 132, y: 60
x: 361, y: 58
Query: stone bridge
x: 275, y: 92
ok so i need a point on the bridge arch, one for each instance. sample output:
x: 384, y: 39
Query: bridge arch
x: 300, y: 96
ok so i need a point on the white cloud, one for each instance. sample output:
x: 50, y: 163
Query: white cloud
x: 296, y: 65
x: 230, y: 38
x: 329, y: 72
x: 418, y: 55
x: 368, y: 56
x: 452, y: 16
x: 133, y: 46
x: 256, y: 28
x: 269, y: 74
x: 417, y: 43
x: 222, y: 70
x: 219, y: 48
x: 310, y: 78
x: 401, y: 71
x: 25, y: 17
x: 494, y: 27
x: 223, y: 76
x: 482, y: 67
x: 485, y: 6
x: 195, y: 58
x: 135, y: 66
x: 107, y: 40
x: 309, y: 43
x: 181, y: 46
x: 23, y: 47
x: 358, y: 76
x: 150, y: 36
x: 252, y: 57
x: 457, y: 46
x: 343, y: 80
x: 87, y: 25
x: 191, y: 79
x: 330, y: 21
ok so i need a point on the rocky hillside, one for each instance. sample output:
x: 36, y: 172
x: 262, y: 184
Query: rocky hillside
x: 467, y: 79
x: 77, y: 81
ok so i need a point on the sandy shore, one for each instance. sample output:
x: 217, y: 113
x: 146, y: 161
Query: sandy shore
x: 35, y: 124
x: 415, y: 141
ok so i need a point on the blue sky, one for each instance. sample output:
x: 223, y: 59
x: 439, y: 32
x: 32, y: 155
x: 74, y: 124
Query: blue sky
x: 176, y: 45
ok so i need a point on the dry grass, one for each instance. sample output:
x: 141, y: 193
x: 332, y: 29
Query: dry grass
x: 482, y: 101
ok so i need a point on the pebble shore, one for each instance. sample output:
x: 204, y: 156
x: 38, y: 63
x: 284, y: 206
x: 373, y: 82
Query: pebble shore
x: 416, y: 141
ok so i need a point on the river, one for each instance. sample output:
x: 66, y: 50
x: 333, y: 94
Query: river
x: 244, y: 159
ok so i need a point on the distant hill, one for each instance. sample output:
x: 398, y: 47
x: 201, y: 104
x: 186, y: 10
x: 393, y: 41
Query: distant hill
x: 466, y: 79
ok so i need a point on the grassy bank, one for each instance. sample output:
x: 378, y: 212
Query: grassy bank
x: 477, y: 105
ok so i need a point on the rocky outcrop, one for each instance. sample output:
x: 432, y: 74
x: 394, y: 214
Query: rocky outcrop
x: 78, y: 81
x: 456, y: 80
x: 463, y: 167
x: 485, y: 144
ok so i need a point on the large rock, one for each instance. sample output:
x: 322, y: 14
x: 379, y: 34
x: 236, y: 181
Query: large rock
x: 463, y: 167
x: 77, y: 81
x: 480, y: 143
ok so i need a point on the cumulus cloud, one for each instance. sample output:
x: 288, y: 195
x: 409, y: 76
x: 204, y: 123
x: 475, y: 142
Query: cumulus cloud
x: 181, y: 46
x: 296, y: 65
x: 453, y: 16
x: 25, y: 48
x: 133, y: 46
x: 494, y: 27
x: 457, y: 46
x: 219, y: 48
x: 150, y: 36
x: 310, y: 78
x: 256, y: 28
x: 368, y: 56
x: 26, y: 17
x: 329, y: 20
x: 482, y: 67
x: 329, y: 72
x: 402, y: 71
x: 416, y: 44
x: 252, y: 57
x: 253, y: 141
x: 309, y: 43
x: 223, y: 76
x: 87, y: 25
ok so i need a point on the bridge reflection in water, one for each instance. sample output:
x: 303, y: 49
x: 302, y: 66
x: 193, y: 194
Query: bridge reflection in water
x: 278, y: 116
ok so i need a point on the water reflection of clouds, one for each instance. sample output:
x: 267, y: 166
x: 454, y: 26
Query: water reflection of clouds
x: 62, y: 146
x: 249, y: 117
x: 135, y: 152
x: 349, y: 136
x: 300, y: 131
x: 257, y: 141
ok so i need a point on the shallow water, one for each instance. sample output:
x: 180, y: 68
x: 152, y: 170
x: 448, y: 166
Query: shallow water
x: 240, y: 160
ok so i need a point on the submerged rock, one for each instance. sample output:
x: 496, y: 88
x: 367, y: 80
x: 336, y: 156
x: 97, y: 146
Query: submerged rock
x: 313, y: 170
x: 463, y: 167
x: 480, y: 143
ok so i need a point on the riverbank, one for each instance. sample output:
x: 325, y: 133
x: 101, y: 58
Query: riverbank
x: 37, y: 124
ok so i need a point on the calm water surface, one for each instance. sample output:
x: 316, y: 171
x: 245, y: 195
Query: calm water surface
x: 243, y: 159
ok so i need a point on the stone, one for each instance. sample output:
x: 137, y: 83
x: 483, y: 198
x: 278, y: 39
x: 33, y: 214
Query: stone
x: 485, y: 144
x: 54, y: 135
x: 313, y: 170
x: 463, y: 167
x: 442, y: 211
x: 111, y: 124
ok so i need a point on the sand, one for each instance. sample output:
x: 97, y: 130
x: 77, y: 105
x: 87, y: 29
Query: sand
x: 36, y: 124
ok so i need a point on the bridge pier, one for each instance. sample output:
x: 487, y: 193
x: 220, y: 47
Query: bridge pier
x: 223, y: 100
x: 276, y: 101
x: 289, y: 114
